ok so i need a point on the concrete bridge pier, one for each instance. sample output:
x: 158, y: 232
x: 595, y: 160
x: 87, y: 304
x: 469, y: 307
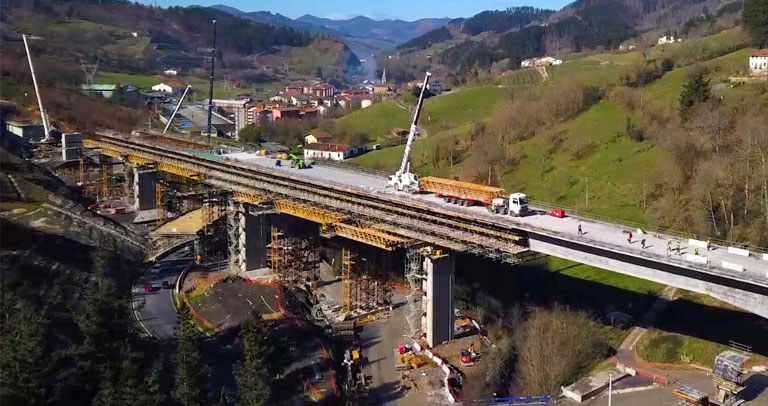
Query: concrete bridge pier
x: 438, y: 304
x: 145, y: 187
x: 248, y: 232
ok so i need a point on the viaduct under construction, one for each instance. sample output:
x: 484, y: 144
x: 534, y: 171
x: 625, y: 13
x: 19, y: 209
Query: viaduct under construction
x: 356, y: 205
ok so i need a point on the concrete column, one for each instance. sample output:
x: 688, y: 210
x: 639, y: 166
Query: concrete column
x: 144, y: 187
x: 249, y: 233
x: 440, y: 269
x: 257, y: 232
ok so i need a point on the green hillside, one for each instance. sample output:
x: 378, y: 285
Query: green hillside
x: 587, y: 150
x: 450, y: 110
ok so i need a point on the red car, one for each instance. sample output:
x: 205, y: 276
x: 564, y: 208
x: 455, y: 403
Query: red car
x: 559, y: 213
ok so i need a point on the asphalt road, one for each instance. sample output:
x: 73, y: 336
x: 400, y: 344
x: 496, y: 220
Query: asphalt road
x: 379, y: 340
x: 155, y: 309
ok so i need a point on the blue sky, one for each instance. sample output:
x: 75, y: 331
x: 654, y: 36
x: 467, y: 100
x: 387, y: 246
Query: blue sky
x: 378, y: 9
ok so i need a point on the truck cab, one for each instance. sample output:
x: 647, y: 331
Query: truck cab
x: 518, y: 204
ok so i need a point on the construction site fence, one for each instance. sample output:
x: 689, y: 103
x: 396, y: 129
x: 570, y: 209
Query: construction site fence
x: 632, y: 226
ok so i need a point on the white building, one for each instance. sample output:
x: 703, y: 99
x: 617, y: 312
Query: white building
x: 758, y: 63
x: 173, y: 87
x: 366, y: 103
x: 544, y: 61
x: 334, y: 152
x: 668, y: 40
x: 171, y: 72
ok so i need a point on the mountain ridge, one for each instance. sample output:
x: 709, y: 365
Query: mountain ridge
x: 394, y: 31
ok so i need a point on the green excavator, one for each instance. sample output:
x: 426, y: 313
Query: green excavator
x: 297, y: 161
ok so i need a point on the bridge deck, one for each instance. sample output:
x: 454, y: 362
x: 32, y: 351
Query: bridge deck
x: 595, y: 233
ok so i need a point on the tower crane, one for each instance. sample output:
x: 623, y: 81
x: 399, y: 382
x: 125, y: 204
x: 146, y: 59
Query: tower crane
x: 403, y: 180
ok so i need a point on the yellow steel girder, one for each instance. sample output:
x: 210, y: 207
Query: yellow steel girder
x: 170, y: 166
x: 368, y: 236
x: 307, y: 211
x: 249, y: 197
x: 177, y: 169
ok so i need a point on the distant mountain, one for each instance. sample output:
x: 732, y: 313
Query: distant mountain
x: 523, y: 32
x: 395, y: 31
x: 376, y: 34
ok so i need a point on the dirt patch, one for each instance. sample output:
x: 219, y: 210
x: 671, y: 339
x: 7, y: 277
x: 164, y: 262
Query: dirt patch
x: 231, y: 301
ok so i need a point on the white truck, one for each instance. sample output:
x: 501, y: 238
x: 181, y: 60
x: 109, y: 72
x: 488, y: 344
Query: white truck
x: 516, y: 205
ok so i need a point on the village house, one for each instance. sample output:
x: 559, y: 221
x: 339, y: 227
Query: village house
x: 308, y: 112
x: 544, y: 61
x: 285, y: 112
x: 172, y: 87
x: 334, y: 152
x: 171, y: 72
x: 758, y: 63
x: 668, y: 40
x: 354, y: 92
x: 317, y: 136
x: 381, y: 89
x: 322, y: 90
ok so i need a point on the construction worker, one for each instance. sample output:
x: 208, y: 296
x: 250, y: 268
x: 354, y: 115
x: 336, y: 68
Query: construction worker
x: 669, y: 247
x: 580, y: 232
x: 696, y: 250
x: 678, y: 247
x: 642, y: 243
x: 629, y: 237
x: 708, y: 246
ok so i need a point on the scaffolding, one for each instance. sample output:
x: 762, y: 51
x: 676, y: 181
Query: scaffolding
x: 274, y: 254
x: 236, y: 236
x: 346, y: 281
x: 414, y: 276
x: 159, y: 206
x: 106, y: 177
x: 293, y: 260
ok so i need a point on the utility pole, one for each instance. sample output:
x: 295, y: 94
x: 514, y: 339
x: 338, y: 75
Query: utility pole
x: 610, y: 388
x: 210, y: 88
x: 586, y: 199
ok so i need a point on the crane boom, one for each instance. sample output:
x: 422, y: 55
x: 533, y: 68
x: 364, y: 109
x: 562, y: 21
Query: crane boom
x: 403, y: 179
x: 176, y: 110
x: 414, y: 125
x: 43, y: 114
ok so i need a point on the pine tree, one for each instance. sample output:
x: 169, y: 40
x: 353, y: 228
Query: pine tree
x: 190, y: 383
x: 755, y: 15
x: 20, y: 351
x: 251, y: 372
x: 695, y: 91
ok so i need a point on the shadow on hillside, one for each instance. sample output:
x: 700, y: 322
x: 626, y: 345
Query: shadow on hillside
x: 532, y: 283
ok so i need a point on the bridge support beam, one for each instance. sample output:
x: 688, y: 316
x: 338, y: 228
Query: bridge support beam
x: 248, y: 232
x: 749, y: 297
x: 438, y: 305
x: 144, y: 188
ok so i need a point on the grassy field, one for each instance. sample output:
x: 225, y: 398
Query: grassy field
x: 674, y: 51
x: 523, y: 77
x: 586, y: 151
x: 665, y: 92
x: 670, y: 348
x: 450, y: 110
x: 200, y: 86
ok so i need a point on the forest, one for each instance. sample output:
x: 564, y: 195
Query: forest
x: 425, y: 41
x: 514, y: 18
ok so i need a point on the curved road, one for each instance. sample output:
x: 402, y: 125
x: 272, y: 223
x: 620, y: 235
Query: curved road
x: 155, y: 309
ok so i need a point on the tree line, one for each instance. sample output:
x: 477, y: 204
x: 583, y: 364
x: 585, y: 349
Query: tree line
x: 513, y: 18
x: 237, y: 35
